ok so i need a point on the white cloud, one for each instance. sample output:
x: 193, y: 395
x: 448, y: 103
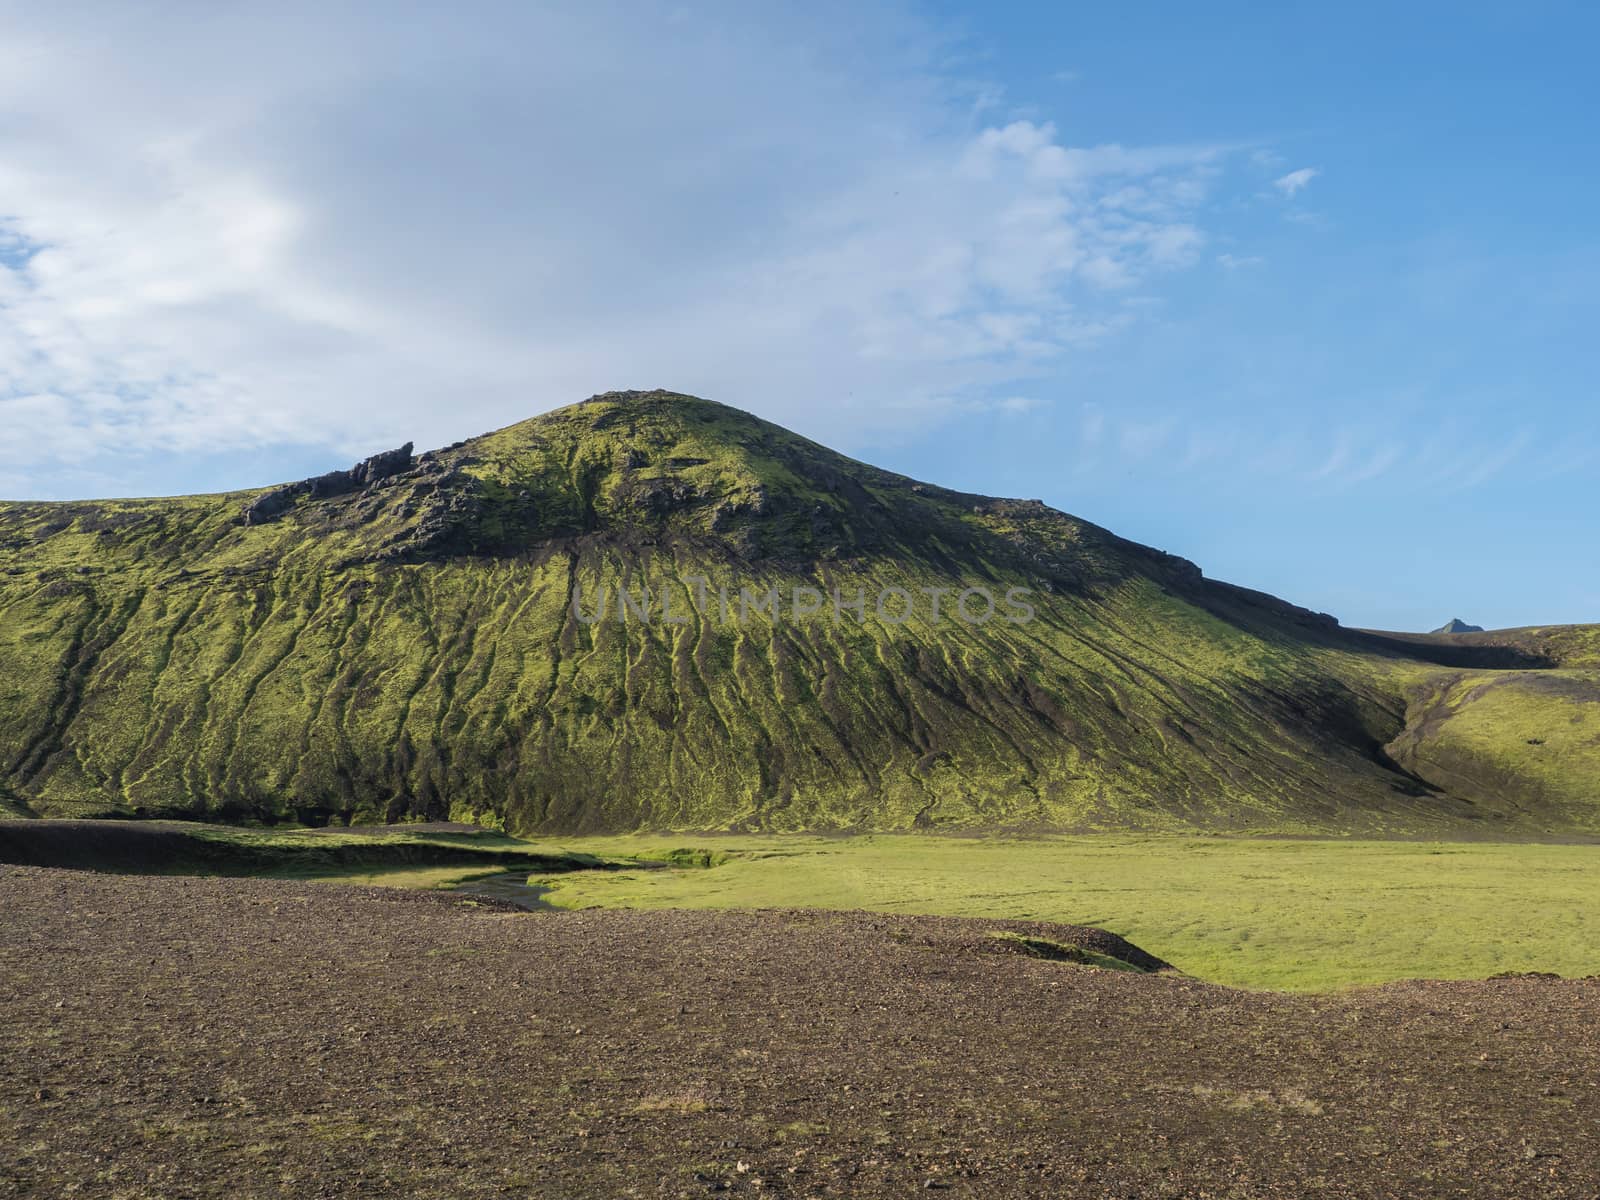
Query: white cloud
x: 1304, y: 456
x: 1234, y: 262
x: 1465, y: 467
x: 1350, y: 462
x: 1093, y: 429
x: 1141, y: 439
x: 350, y: 226
x: 1017, y: 405
x: 1295, y: 181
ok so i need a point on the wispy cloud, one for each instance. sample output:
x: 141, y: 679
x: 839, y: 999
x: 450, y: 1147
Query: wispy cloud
x: 1452, y: 466
x: 1296, y: 458
x: 1017, y: 405
x: 1295, y: 182
x: 356, y: 225
x: 1142, y: 439
x: 1353, y: 459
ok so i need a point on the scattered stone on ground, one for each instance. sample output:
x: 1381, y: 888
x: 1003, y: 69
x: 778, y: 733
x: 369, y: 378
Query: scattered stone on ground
x: 167, y: 1037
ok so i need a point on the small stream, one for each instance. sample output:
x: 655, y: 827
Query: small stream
x: 508, y: 885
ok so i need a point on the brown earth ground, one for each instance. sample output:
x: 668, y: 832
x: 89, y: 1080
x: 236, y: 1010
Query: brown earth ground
x: 185, y: 1038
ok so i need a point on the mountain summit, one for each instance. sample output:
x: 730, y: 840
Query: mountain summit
x: 1457, y: 625
x: 648, y: 610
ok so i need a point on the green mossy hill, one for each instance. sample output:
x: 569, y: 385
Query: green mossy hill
x: 418, y: 638
x: 1528, y: 738
x: 1535, y: 646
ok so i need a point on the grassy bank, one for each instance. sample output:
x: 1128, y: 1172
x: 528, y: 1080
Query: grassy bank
x: 1300, y: 915
x: 1293, y: 914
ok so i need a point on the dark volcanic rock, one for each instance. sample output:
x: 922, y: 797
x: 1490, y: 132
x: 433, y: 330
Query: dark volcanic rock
x: 274, y: 504
x: 334, y: 483
x: 381, y: 466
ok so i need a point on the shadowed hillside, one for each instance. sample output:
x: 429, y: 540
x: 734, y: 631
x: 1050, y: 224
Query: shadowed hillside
x: 423, y: 637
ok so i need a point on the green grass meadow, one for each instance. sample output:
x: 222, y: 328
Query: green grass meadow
x: 1278, y: 913
x: 1283, y: 914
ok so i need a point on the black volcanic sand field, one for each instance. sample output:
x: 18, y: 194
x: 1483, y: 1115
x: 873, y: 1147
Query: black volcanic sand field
x: 170, y: 1037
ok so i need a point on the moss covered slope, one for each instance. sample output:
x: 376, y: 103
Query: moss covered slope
x: 424, y: 642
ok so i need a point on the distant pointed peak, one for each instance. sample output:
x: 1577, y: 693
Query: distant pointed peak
x: 1457, y: 625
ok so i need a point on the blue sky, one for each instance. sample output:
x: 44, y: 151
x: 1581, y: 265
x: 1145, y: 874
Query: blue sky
x: 1304, y: 294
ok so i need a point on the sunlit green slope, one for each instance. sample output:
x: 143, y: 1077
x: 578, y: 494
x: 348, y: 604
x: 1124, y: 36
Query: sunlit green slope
x: 420, y: 639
